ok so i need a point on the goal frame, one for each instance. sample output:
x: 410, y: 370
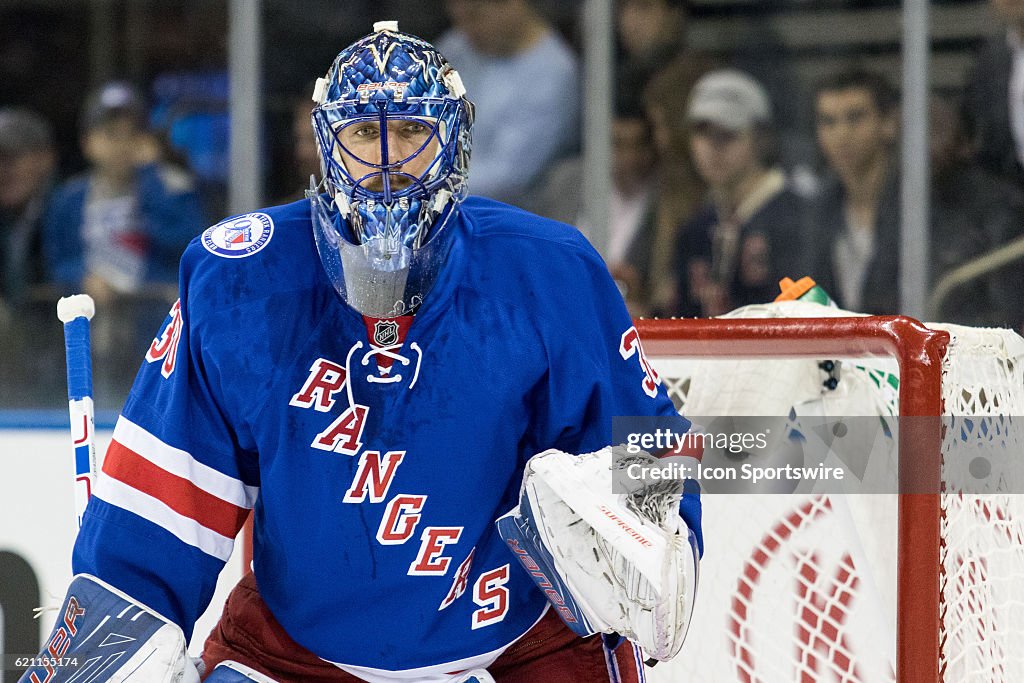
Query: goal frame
x: 919, y: 352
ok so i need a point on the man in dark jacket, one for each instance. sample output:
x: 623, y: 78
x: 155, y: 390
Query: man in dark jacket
x: 28, y: 164
x: 994, y: 95
x: 745, y: 238
x: 855, y: 238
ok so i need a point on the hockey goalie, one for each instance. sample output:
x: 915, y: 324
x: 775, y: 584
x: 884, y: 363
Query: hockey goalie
x: 369, y: 373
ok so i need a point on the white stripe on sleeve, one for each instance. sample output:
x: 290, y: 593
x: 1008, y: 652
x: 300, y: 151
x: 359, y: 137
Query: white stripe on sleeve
x: 186, y: 529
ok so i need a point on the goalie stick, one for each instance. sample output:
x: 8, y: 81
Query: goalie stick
x: 76, y: 312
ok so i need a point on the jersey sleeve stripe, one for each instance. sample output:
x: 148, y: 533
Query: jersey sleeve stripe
x: 182, y: 464
x: 177, y: 493
x: 153, y: 510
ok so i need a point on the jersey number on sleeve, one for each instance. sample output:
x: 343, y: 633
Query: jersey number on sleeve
x: 165, y: 347
x: 630, y: 346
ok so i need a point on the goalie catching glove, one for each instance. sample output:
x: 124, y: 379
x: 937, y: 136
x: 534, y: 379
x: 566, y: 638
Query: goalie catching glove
x: 101, y: 634
x: 609, y: 563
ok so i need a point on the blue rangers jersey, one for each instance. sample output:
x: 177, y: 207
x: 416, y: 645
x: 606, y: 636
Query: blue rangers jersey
x: 376, y: 466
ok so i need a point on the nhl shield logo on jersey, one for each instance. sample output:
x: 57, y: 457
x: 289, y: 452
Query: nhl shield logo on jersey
x: 240, y: 236
x: 385, y: 333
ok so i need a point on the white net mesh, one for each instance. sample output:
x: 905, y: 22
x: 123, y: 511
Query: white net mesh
x: 982, y: 535
x: 803, y: 586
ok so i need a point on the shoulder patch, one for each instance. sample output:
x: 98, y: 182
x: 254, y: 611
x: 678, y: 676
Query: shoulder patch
x: 240, y: 236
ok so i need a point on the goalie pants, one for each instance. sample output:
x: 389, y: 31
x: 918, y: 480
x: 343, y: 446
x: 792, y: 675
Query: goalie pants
x: 249, y: 634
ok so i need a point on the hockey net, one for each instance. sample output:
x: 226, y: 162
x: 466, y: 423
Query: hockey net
x: 859, y: 587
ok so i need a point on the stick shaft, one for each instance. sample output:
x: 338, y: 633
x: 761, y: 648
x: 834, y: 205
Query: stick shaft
x: 80, y: 408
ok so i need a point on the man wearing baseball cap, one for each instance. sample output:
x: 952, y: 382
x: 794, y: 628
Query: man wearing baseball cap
x: 740, y: 243
x: 124, y: 222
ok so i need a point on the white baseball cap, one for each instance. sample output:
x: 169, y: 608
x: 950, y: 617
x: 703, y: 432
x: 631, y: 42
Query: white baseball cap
x: 730, y: 99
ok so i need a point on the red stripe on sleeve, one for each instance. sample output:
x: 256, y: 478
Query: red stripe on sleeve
x: 178, y: 493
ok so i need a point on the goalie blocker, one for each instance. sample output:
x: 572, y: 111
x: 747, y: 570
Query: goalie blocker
x: 609, y: 563
x: 101, y: 634
x: 104, y: 635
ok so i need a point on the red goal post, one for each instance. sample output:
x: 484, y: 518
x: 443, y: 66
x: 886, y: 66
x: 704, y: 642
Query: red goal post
x: 918, y: 351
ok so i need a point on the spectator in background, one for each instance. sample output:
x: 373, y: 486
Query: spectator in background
x: 29, y: 341
x: 188, y: 89
x: 747, y: 236
x: 651, y: 34
x: 994, y: 95
x: 631, y: 218
x: 302, y: 158
x: 28, y: 167
x: 124, y: 222
x: 972, y: 212
x: 680, y: 190
x: 191, y: 112
x: 117, y: 230
x: 855, y: 239
x: 527, y: 93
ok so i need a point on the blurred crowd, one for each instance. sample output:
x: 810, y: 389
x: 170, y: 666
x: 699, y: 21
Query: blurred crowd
x: 727, y: 175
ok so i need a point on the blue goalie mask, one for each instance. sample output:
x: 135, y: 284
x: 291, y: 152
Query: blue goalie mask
x: 393, y: 127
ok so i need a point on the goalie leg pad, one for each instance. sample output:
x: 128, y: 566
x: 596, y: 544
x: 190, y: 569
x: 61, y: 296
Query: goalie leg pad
x: 102, y: 634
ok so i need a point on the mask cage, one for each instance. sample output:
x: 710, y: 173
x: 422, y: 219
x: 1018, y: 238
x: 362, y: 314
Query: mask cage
x: 445, y: 119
